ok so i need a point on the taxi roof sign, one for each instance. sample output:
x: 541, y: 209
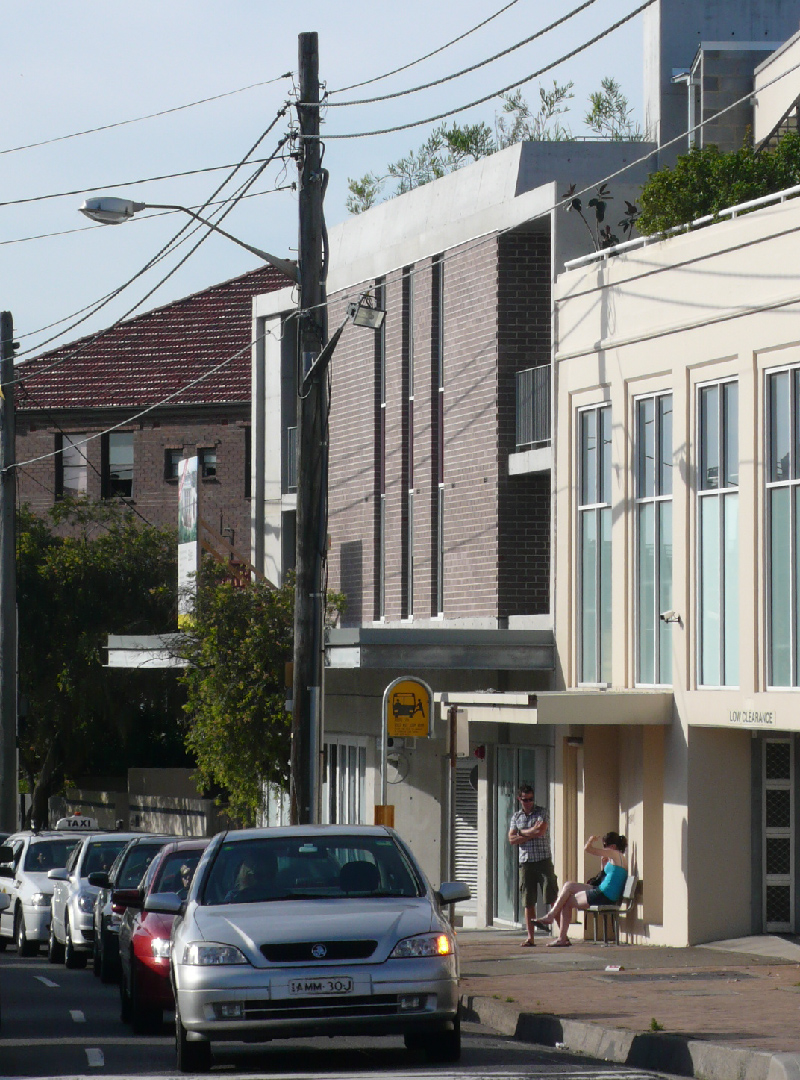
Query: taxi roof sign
x: 77, y: 823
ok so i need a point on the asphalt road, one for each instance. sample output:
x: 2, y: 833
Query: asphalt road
x: 60, y: 1023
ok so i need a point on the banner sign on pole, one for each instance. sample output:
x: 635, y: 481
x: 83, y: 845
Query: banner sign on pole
x: 187, y: 539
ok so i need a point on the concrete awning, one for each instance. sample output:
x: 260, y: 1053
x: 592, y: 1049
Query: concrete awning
x: 564, y: 707
x: 401, y: 648
x: 145, y: 651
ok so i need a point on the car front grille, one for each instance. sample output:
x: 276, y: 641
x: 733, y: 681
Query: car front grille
x: 327, y: 1009
x: 300, y: 952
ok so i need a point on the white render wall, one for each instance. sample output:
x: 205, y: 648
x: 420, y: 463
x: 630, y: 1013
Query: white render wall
x: 723, y: 301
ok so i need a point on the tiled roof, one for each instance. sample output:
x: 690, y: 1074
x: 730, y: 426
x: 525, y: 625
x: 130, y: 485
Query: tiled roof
x: 141, y: 361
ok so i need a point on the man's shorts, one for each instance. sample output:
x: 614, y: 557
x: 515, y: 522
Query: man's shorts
x: 536, y: 875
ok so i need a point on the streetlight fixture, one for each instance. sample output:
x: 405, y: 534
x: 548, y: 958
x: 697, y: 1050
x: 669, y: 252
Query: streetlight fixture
x: 109, y: 210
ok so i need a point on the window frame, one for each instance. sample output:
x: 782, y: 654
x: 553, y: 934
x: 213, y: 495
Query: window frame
x: 74, y: 442
x: 203, y: 455
x: 107, y: 482
x: 603, y: 665
x: 657, y: 499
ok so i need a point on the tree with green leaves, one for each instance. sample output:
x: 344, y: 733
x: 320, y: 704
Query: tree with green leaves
x: 450, y: 148
x: 610, y: 116
x: 111, y: 575
x: 708, y: 180
x: 237, y: 647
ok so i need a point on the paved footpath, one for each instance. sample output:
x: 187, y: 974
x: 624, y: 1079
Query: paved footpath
x: 725, y: 1011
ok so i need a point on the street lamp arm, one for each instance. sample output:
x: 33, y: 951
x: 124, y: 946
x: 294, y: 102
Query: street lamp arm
x: 113, y: 211
x: 286, y: 266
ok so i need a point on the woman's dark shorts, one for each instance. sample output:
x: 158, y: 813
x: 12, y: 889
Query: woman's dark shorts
x: 595, y: 896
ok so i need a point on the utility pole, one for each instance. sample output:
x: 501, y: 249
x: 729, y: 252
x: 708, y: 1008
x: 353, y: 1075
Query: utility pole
x: 8, y: 582
x: 312, y: 451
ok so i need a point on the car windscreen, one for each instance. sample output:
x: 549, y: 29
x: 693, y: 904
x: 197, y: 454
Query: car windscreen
x: 44, y: 855
x: 297, y: 867
x: 175, y: 872
x: 133, y: 869
x: 100, y: 854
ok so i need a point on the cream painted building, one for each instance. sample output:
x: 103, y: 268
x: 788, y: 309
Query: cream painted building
x: 677, y: 521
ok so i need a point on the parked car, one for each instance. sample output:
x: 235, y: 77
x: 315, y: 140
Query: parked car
x: 5, y: 900
x: 25, y: 861
x: 312, y: 930
x: 126, y: 872
x: 144, y: 936
x: 72, y: 907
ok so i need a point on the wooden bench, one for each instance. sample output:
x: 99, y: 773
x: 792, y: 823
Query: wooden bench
x: 614, y: 911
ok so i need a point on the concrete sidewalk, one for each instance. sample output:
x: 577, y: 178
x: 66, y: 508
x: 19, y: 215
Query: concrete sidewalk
x: 725, y: 1011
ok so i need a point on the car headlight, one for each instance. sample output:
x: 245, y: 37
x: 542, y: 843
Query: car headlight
x: 422, y: 945
x: 161, y: 948
x: 86, y: 902
x: 203, y: 953
x: 40, y: 899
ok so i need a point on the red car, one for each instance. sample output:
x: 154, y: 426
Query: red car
x: 144, y: 936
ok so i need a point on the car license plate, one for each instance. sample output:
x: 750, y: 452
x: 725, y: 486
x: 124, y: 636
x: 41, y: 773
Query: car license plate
x: 322, y: 987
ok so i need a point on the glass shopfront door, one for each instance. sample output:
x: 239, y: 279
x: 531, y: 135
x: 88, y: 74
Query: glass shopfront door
x: 515, y: 765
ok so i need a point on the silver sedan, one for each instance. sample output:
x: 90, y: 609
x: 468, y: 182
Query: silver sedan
x: 312, y: 930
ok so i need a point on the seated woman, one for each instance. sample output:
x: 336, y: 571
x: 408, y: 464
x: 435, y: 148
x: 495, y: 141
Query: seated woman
x: 573, y: 894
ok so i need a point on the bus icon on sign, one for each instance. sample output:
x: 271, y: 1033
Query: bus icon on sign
x: 406, y: 705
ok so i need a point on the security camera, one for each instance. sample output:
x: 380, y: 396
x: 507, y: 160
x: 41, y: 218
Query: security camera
x: 670, y: 617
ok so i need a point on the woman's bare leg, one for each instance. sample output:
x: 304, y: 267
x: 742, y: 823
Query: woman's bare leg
x: 568, y: 890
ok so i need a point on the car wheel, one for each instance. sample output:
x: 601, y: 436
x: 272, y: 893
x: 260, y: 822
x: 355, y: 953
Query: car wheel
x: 96, y: 959
x: 55, y: 950
x: 24, y: 947
x: 441, y: 1046
x: 108, y: 968
x: 3, y: 943
x: 144, y: 1018
x: 72, y: 958
x: 190, y: 1056
x: 124, y: 998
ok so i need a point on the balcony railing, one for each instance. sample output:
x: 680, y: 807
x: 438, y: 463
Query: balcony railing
x: 291, y: 459
x: 533, y: 406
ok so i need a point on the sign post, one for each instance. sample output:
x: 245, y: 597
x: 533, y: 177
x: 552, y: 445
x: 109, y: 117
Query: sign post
x: 406, y: 713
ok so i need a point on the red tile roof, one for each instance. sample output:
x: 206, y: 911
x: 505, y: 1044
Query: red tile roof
x: 142, y: 361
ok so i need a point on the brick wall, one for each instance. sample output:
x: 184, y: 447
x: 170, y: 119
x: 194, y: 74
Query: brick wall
x: 524, y: 501
x: 496, y: 320
x: 223, y: 499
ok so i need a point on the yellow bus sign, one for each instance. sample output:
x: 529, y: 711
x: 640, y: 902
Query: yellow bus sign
x: 408, y: 709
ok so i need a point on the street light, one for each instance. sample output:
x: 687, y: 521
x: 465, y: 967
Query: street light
x: 108, y: 210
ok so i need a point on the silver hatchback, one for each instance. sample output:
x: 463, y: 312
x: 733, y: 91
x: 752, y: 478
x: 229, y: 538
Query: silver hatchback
x: 312, y: 930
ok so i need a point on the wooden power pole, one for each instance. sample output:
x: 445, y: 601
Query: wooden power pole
x: 8, y: 582
x: 312, y: 451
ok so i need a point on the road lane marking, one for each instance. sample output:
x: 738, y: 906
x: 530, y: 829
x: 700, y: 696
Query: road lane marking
x: 46, y: 981
x: 95, y: 1058
x: 78, y: 1016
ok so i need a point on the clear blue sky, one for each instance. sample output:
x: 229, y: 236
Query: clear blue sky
x: 78, y: 65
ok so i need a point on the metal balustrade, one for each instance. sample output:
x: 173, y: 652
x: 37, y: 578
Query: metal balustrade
x: 533, y: 406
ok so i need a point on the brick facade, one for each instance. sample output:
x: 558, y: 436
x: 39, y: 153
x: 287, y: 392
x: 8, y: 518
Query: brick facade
x: 495, y: 312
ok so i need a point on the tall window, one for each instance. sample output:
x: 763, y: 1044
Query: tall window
x: 380, y: 364
x: 117, y: 461
x: 409, y: 559
x: 594, y: 525
x: 718, y: 539
x: 653, y: 538
x: 343, y: 780
x: 783, y: 526
x: 72, y: 467
x: 438, y: 286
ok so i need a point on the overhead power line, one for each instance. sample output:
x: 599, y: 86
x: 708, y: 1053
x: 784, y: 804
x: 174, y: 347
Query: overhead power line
x: 502, y: 90
x: 427, y: 56
x: 131, y: 183
x: 472, y: 67
x: 138, y: 218
x: 149, y: 116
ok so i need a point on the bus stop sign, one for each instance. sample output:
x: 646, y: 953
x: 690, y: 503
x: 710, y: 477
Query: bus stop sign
x: 408, y: 709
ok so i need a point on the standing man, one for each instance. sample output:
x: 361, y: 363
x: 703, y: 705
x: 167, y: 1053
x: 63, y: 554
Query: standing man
x: 528, y: 832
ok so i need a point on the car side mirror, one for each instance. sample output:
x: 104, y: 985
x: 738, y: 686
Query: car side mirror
x: 450, y: 892
x: 165, y: 903
x: 58, y: 874
x: 5, y: 901
x: 127, y: 898
x: 99, y: 878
